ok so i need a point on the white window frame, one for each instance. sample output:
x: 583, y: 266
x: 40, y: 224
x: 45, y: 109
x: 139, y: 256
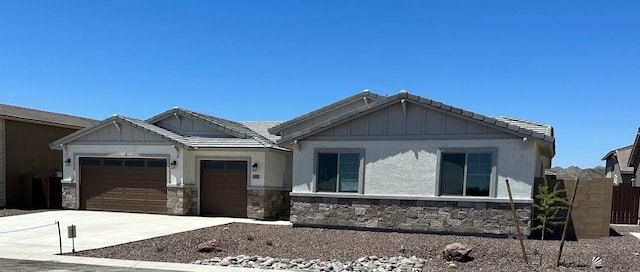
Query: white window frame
x: 316, y: 161
x: 492, y: 180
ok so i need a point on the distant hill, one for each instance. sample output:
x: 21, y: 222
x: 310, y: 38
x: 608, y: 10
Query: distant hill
x: 574, y: 172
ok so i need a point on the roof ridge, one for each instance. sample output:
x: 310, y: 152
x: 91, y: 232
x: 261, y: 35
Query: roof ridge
x: 247, y: 131
x: 365, y: 93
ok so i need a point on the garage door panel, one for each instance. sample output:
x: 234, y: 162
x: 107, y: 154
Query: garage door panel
x: 128, y: 185
x: 223, y: 188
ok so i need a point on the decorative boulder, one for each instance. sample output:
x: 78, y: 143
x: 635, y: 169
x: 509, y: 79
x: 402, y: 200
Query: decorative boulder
x: 209, y: 246
x: 456, y: 251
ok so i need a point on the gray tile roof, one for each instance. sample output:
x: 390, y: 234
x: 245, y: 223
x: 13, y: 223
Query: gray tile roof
x: 542, y: 130
x: 245, y: 137
x: 236, y: 129
x: 520, y: 127
x: 262, y: 128
x: 44, y: 117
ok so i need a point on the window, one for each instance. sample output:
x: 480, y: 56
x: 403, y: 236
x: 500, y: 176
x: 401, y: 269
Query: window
x: 338, y: 172
x: 134, y: 163
x: 466, y: 174
x: 157, y: 163
x: 112, y: 162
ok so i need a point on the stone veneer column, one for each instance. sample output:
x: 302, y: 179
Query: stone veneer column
x: 182, y: 200
x: 69, y: 196
x: 417, y: 215
x: 267, y: 204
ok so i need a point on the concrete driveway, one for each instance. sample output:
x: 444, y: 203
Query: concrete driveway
x: 37, y: 233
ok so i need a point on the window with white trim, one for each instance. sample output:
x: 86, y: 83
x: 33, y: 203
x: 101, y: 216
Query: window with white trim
x: 338, y: 171
x: 466, y: 173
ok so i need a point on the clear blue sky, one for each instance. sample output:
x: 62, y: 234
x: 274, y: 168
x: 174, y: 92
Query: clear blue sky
x: 572, y: 64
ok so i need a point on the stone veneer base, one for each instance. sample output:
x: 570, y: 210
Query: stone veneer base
x: 267, y: 204
x: 408, y: 215
x: 69, y: 196
x: 182, y: 200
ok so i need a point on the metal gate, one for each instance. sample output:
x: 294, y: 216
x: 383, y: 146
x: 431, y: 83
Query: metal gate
x: 625, y: 203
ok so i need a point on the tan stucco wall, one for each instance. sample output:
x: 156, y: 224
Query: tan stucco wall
x: 27, y: 152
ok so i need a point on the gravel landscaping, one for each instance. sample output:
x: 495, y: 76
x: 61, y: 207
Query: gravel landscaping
x: 330, y: 249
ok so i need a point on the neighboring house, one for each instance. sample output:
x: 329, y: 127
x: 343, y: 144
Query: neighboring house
x: 616, y: 165
x: 634, y: 159
x: 407, y: 162
x: 178, y: 162
x: 25, y: 135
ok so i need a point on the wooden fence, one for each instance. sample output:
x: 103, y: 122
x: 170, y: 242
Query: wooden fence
x: 625, y: 204
x: 592, y: 208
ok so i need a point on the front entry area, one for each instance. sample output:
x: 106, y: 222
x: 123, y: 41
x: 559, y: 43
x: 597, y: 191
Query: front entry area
x: 123, y: 185
x: 223, y: 188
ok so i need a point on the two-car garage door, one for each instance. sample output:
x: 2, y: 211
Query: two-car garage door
x: 139, y: 185
x: 123, y: 185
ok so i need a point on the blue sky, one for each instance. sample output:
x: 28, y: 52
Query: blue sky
x: 572, y: 64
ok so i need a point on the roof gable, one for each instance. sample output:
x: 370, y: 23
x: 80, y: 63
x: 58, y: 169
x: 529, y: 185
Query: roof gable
x: 120, y: 129
x: 44, y: 117
x: 189, y: 123
x: 180, y: 127
x: 330, y: 111
x: 462, y: 120
x: 621, y: 156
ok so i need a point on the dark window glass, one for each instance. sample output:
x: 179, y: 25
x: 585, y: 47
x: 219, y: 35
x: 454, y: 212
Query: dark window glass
x: 91, y: 162
x: 338, y: 172
x: 349, y: 171
x: 213, y: 165
x: 237, y: 165
x: 157, y: 163
x: 466, y: 174
x: 327, y: 172
x: 452, y: 173
x: 111, y: 162
x: 134, y: 163
x: 478, y: 174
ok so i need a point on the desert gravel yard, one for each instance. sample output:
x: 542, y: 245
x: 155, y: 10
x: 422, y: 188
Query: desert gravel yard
x: 619, y: 253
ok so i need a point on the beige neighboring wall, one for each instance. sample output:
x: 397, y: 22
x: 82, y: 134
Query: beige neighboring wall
x: 592, y: 207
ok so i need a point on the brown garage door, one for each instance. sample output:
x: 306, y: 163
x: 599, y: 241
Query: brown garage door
x: 123, y: 185
x: 223, y: 188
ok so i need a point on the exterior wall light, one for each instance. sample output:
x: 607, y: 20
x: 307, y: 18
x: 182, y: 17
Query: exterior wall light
x: 67, y: 162
x: 254, y: 167
x: 173, y: 164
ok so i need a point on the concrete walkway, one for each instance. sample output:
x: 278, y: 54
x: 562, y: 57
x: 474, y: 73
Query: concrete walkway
x: 35, y: 236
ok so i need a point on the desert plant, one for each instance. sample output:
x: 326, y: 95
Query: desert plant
x: 268, y: 243
x: 250, y: 237
x: 549, y: 204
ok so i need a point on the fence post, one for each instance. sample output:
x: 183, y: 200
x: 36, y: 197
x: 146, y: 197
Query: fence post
x: 515, y: 218
x: 566, y: 222
x: 59, y: 236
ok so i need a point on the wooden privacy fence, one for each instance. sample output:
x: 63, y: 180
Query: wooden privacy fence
x: 592, y: 207
x: 625, y: 204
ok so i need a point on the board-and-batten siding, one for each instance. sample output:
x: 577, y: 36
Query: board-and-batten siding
x: 188, y: 126
x: 122, y: 133
x: 334, y: 113
x: 418, y: 121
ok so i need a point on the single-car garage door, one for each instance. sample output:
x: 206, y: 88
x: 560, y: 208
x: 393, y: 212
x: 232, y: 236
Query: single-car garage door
x: 223, y: 188
x: 123, y: 185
